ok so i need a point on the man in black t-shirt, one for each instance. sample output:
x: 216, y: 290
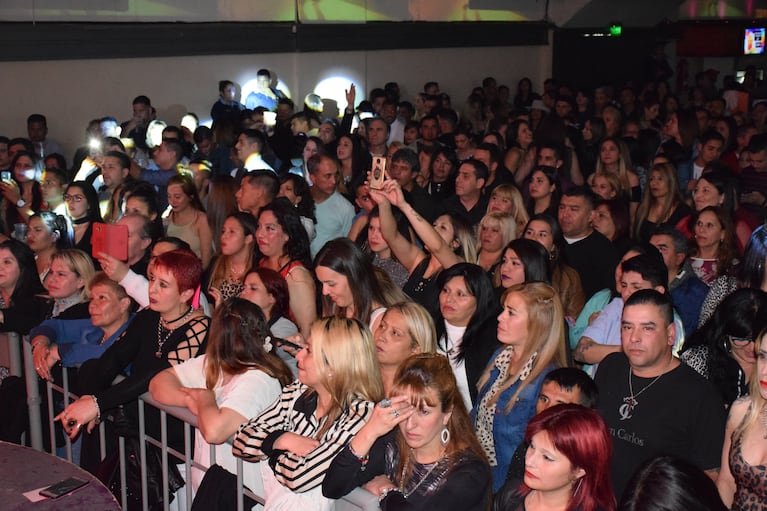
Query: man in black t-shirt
x: 653, y: 404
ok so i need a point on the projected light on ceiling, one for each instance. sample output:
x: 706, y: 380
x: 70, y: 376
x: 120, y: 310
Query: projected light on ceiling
x: 334, y: 89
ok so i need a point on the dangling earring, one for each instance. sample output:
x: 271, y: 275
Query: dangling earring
x: 577, y: 487
x: 444, y: 436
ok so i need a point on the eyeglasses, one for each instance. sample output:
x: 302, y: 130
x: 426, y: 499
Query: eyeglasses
x: 740, y: 342
x: 75, y: 198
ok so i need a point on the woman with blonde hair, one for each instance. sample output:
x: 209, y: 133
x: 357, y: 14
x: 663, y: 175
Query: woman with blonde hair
x: 662, y: 204
x: 496, y: 230
x: 506, y: 198
x: 607, y: 185
x: 405, y: 329
x: 614, y: 157
x: 314, y: 417
x: 742, y: 481
x: 418, y: 450
x: 531, y: 328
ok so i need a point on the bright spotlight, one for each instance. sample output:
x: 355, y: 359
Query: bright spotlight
x: 335, y: 88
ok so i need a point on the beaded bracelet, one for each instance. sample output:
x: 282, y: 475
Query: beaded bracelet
x: 98, y: 410
x: 362, y: 459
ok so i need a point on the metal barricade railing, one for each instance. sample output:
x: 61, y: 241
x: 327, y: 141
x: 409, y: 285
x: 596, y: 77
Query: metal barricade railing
x: 358, y: 500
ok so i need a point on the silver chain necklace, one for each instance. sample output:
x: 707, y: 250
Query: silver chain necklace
x: 630, y: 402
x: 162, y: 326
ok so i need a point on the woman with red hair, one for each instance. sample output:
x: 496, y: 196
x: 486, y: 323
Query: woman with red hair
x: 567, y: 465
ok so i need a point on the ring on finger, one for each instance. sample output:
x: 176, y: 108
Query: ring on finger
x: 395, y: 412
x: 384, y: 403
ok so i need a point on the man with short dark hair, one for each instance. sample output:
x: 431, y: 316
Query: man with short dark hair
x: 249, y: 145
x: 377, y: 135
x: 497, y: 173
x: 428, y: 131
x: 135, y: 127
x: 166, y: 156
x: 602, y: 336
x: 753, y: 179
x: 468, y: 200
x: 227, y: 108
x: 687, y: 291
x: 653, y: 404
x: 37, y: 130
x: 257, y: 189
x: 591, y: 254
x: 404, y: 168
x: 710, y: 148
x: 334, y: 213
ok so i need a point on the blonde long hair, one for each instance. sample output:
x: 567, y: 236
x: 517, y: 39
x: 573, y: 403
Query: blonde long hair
x: 758, y: 403
x: 667, y: 172
x: 344, y: 354
x: 545, y: 335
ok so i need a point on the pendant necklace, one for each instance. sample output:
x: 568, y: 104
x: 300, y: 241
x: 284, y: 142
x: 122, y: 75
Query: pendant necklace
x: 630, y: 402
x: 164, y: 332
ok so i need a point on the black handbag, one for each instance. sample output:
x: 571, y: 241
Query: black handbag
x: 109, y: 473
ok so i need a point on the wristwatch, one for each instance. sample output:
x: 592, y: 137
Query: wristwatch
x: 21, y: 203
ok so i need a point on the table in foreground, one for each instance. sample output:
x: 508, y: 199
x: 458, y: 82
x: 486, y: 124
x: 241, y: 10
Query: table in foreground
x: 23, y: 469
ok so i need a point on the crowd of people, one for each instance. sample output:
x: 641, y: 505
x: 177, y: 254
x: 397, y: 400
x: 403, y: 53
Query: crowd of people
x: 544, y: 301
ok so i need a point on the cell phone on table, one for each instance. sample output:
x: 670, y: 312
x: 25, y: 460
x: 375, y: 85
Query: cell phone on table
x: 62, y: 488
x: 5, y: 175
x: 378, y: 172
x: 111, y: 239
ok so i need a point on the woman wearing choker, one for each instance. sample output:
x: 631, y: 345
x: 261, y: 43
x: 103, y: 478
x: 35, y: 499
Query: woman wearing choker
x: 742, y: 481
x: 418, y: 450
x: 169, y: 332
x: 225, y: 276
x: 83, y: 210
x: 47, y: 233
x: 68, y: 282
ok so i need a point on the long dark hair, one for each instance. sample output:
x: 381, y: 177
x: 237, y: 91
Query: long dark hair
x: 670, y: 484
x: 238, y: 332
x: 91, y: 197
x: 742, y: 314
x: 534, y: 257
x: 342, y: 256
x: 28, y: 283
x: 304, y: 208
x: 479, y: 285
x: 297, y: 246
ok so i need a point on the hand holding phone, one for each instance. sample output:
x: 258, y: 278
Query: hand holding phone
x: 378, y: 172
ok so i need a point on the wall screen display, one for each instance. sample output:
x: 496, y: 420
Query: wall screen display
x: 753, y: 41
